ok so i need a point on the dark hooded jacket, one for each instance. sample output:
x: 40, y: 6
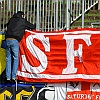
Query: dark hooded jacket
x: 17, y: 25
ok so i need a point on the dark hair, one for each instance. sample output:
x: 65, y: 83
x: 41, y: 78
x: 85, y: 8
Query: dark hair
x: 20, y: 13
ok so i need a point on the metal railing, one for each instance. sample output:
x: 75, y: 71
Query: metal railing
x: 95, y: 25
x: 48, y: 15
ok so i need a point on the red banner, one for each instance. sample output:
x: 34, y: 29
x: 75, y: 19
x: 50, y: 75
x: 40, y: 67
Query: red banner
x: 83, y: 91
x: 72, y: 55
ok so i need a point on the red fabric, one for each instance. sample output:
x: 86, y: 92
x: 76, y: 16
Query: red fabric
x: 57, y: 57
x: 83, y: 91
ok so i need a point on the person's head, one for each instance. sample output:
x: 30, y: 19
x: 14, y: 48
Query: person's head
x: 20, y: 14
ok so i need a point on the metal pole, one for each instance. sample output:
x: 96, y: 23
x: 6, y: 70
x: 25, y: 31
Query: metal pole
x: 82, y: 13
x: 0, y: 0
x: 56, y: 15
x: 43, y: 17
x: 9, y: 5
x: 67, y: 14
x: 37, y: 20
x: 98, y: 4
x: 16, y: 6
x: 19, y: 5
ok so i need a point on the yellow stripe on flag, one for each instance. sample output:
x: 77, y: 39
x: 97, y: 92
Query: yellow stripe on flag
x: 2, y: 55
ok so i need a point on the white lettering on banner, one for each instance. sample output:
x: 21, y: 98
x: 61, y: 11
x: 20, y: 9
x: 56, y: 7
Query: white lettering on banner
x: 70, y: 53
x: 97, y: 97
x: 80, y: 96
x: 36, y: 52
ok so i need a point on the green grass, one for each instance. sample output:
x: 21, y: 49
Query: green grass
x: 92, y: 14
x: 89, y: 20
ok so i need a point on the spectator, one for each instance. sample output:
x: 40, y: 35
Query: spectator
x: 15, y: 31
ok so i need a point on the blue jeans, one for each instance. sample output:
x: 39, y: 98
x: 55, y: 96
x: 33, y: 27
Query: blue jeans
x: 12, y: 51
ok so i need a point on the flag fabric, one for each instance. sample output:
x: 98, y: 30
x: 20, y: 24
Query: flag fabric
x: 83, y: 91
x: 62, y: 56
x: 2, y: 57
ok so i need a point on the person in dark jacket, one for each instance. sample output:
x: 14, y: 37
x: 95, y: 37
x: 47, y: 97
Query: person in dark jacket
x: 15, y: 31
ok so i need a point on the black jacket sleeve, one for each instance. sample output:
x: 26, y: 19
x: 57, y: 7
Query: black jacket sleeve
x: 30, y: 25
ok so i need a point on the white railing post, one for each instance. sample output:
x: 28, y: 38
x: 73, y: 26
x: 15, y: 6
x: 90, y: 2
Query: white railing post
x: 67, y: 14
x: 56, y: 15
x: 82, y: 13
x: 98, y: 4
x: 37, y: 20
